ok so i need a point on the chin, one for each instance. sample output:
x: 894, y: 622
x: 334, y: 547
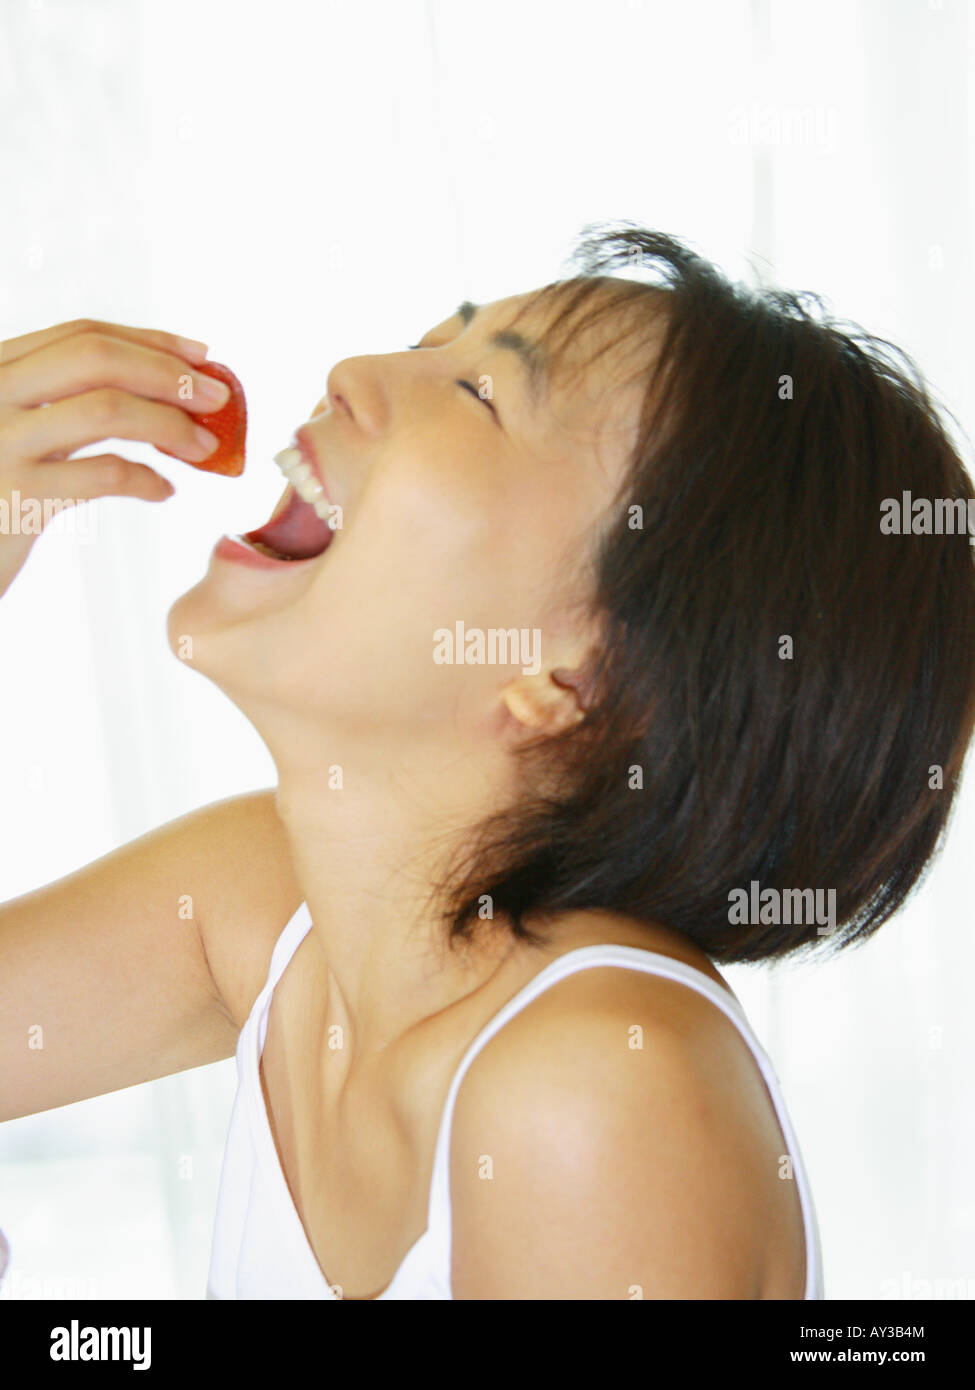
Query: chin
x: 188, y: 622
x: 228, y: 595
x: 241, y: 640
x: 198, y: 618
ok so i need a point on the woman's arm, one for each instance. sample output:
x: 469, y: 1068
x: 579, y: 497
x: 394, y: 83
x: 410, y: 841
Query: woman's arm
x: 143, y: 963
x: 105, y: 977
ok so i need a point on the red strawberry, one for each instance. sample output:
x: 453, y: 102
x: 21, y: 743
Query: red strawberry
x: 229, y: 424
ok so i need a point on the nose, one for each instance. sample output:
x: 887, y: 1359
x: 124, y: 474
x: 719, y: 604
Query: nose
x: 355, y: 389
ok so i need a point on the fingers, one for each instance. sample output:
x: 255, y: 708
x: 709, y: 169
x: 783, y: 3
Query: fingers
x: 107, y: 413
x: 84, y: 361
x: 72, y: 385
x: 100, y: 475
x: 187, y: 348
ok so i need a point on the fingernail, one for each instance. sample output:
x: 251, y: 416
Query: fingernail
x: 207, y: 441
x: 211, y: 391
x: 189, y: 347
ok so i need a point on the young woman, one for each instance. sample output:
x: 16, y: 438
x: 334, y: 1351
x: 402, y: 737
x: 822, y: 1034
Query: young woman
x: 589, y: 661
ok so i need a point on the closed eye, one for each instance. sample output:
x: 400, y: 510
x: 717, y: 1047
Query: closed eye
x: 472, y: 388
x: 468, y: 386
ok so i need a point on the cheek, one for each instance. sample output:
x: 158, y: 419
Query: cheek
x: 426, y: 522
x: 385, y: 592
x: 460, y: 544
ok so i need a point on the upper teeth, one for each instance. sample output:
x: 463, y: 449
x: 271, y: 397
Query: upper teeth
x: 302, y: 478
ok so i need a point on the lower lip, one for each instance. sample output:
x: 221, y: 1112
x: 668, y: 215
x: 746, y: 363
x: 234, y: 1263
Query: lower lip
x: 238, y: 552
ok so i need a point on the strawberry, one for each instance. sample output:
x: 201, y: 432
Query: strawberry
x: 229, y: 424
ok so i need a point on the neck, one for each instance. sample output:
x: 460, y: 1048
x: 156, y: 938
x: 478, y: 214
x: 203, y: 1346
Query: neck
x: 368, y: 853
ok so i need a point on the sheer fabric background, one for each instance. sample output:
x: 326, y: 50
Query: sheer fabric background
x: 302, y: 183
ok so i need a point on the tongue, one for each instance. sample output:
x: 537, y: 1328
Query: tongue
x: 296, y: 533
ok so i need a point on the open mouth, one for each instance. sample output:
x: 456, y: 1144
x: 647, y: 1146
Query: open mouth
x: 301, y: 526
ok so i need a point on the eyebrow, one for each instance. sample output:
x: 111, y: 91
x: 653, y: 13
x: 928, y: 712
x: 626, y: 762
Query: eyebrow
x: 531, y: 355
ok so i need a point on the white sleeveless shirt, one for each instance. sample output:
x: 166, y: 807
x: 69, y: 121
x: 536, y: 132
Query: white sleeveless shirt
x: 259, y: 1247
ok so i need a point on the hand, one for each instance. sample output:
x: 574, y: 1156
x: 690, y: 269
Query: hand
x: 75, y: 384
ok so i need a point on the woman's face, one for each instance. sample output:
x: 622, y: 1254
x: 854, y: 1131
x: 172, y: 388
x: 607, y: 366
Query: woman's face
x: 459, y: 504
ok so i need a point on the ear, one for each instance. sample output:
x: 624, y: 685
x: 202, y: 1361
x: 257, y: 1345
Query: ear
x: 544, y: 703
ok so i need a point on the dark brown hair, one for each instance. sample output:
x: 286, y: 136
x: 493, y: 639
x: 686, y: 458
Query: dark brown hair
x: 770, y: 436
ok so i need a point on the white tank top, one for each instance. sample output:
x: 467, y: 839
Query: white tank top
x: 259, y: 1247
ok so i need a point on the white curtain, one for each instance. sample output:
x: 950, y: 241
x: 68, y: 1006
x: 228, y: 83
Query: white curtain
x: 300, y: 182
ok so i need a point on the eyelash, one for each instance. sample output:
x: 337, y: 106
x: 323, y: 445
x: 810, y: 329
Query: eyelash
x: 467, y: 384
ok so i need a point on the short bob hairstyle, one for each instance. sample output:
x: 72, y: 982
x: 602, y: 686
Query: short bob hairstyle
x: 786, y: 689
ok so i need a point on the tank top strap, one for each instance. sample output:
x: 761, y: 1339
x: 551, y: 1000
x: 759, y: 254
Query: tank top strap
x: 587, y: 957
x: 287, y: 943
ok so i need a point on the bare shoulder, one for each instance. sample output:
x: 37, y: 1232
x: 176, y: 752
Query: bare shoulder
x: 613, y: 1140
x: 249, y: 892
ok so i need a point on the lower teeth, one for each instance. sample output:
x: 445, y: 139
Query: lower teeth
x: 266, y: 550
